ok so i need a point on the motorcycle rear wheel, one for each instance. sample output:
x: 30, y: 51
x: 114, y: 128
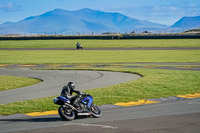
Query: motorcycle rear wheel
x: 66, y: 113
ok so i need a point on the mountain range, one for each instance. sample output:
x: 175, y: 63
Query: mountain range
x: 82, y: 21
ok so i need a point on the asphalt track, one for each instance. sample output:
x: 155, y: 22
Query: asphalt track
x: 169, y: 117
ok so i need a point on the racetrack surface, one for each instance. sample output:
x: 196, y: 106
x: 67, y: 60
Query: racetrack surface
x: 169, y: 66
x: 168, y: 117
x: 54, y: 80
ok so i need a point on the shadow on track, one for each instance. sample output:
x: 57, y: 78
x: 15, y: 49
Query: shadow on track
x: 49, y: 119
x: 44, y: 119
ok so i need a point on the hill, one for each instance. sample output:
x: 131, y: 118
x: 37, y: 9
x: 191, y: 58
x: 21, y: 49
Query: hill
x: 187, y: 23
x: 83, y: 21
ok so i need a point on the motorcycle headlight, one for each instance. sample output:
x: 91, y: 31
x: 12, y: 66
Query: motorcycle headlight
x: 55, y: 100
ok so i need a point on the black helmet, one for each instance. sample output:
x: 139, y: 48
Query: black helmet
x: 71, y: 85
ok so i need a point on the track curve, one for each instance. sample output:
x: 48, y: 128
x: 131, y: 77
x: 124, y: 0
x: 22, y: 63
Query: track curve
x: 54, y: 80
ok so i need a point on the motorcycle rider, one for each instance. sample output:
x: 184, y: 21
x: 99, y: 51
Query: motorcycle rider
x: 67, y: 92
x: 79, y: 46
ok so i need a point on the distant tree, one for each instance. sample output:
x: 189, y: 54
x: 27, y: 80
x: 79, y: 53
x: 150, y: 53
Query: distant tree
x: 108, y: 33
x: 132, y: 32
x: 146, y: 31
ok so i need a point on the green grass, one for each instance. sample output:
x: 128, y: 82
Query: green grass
x: 153, y: 84
x: 87, y: 56
x: 12, y: 82
x: 101, y: 43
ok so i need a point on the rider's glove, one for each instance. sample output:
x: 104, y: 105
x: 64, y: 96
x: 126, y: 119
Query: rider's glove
x: 82, y: 93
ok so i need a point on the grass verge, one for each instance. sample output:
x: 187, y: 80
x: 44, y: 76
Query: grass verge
x: 153, y: 84
x: 101, y: 43
x: 12, y: 82
x: 89, y: 57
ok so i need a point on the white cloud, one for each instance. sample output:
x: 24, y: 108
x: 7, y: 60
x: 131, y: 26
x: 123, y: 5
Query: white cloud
x: 11, y: 7
x: 165, y: 8
x: 193, y: 5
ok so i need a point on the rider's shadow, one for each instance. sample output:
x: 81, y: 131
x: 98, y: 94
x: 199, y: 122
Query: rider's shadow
x: 48, y: 119
x: 40, y: 119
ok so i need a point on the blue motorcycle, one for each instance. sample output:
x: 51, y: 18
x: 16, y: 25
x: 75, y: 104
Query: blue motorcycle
x: 86, y: 107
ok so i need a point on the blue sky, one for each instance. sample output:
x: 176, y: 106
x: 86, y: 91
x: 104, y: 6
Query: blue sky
x: 160, y: 11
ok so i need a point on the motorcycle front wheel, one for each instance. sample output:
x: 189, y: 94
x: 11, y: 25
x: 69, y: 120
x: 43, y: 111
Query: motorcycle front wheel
x: 66, y: 114
x: 96, y: 112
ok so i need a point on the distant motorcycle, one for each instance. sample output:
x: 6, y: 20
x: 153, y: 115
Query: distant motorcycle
x: 69, y: 112
x: 79, y: 46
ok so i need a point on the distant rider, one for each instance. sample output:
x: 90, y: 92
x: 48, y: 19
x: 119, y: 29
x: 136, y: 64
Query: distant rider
x: 67, y: 92
x: 79, y: 46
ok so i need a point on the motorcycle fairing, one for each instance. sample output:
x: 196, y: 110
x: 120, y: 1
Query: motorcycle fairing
x: 61, y: 100
x: 88, y: 100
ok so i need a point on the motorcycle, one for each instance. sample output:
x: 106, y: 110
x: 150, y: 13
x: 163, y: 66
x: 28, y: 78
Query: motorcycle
x: 79, y: 46
x: 85, y: 108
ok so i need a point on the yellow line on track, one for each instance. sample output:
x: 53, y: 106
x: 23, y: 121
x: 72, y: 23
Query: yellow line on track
x: 3, y: 65
x: 26, y: 65
x: 54, y: 112
x: 195, y: 95
x: 140, y: 102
